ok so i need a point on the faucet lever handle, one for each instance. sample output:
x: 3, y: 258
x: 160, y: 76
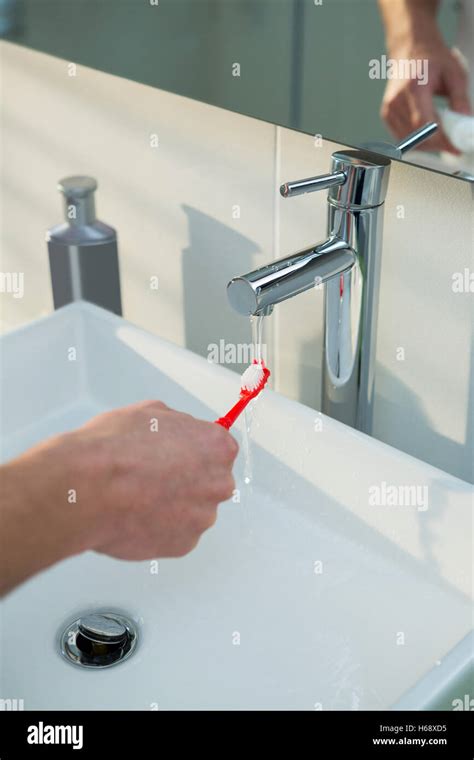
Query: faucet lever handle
x: 416, y: 137
x: 410, y: 141
x: 309, y: 185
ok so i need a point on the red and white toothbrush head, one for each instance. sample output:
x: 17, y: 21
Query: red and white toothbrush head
x: 253, y: 381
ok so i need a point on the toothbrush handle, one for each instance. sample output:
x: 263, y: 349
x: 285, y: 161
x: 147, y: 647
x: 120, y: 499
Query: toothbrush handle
x: 228, y: 420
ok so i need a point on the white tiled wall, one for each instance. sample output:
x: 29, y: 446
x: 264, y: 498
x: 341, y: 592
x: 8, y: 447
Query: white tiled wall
x: 204, y: 206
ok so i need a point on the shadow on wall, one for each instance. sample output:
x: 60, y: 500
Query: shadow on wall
x: 410, y: 430
x: 215, y: 254
x: 399, y: 417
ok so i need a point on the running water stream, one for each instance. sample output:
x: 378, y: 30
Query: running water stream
x: 256, y: 324
x: 258, y: 353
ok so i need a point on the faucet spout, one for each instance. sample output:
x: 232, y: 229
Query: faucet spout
x: 258, y: 291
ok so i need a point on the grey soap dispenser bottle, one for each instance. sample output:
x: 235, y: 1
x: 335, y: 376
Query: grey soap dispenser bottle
x: 83, y: 256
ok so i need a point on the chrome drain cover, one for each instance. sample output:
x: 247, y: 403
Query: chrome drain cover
x: 99, y: 640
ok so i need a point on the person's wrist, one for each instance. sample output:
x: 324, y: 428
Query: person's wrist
x: 416, y: 34
x: 86, y: 480
x: 99, y: 475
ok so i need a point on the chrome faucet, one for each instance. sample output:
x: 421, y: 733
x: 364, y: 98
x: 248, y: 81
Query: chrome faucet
x: 348, y: 262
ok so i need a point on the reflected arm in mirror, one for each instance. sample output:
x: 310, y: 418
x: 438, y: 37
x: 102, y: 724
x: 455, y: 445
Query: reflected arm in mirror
x: 412, y: 34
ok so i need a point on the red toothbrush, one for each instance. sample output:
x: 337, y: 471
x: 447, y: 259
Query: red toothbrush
x: 253, y: 381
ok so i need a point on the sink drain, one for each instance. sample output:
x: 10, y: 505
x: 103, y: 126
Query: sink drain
x: 99, y: 640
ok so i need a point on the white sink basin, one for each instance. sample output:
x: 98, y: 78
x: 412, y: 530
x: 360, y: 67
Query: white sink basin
x: 303, y: 596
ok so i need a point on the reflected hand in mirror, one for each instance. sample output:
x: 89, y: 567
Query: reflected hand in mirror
x: 412, y: 34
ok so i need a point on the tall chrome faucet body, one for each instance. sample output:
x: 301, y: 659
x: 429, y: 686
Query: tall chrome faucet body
x: 348, y: 262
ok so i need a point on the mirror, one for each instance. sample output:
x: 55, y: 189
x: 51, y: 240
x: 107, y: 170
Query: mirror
x: 319, y: 66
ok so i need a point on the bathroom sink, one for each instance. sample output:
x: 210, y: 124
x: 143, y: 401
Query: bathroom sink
x: 315, y: 591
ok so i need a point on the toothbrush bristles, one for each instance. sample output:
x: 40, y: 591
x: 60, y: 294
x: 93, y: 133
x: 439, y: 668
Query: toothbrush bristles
x: 252, y: 377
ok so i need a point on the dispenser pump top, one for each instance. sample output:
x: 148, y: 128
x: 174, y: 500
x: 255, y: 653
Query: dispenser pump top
x: 79, y: 200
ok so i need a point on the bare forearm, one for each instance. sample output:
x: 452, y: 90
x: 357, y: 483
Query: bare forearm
x: 408, y: 21
x: 38, y: 526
